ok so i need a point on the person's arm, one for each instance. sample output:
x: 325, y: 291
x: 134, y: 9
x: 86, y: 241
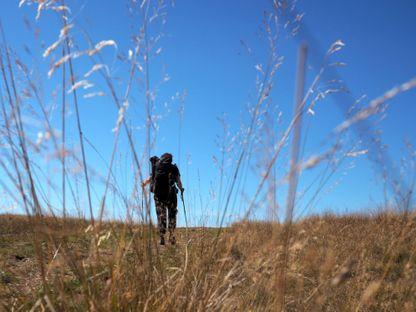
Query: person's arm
x: 179, y: 183
x: 146, y: 182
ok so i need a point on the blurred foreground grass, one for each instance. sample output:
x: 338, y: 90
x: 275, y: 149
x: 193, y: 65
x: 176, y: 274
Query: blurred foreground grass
x: 333, y: 264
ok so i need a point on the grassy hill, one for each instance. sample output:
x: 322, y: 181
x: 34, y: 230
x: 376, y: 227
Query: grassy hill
x: 321, y: 263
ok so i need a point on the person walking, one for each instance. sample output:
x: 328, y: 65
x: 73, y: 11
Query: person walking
x: 165, y: 180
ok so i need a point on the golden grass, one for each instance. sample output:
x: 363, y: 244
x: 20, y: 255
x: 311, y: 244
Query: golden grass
x: 334, y: 264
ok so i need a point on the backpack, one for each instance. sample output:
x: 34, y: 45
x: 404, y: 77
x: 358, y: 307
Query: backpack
x: 163, y: 181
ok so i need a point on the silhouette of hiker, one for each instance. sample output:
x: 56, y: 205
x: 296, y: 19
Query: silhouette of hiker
x: 163, y: 181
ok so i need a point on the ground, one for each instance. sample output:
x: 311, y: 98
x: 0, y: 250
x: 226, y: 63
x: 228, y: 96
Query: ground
x: 321, y: 263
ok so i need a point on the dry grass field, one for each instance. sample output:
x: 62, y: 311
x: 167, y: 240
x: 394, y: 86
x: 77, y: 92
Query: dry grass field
x: 331, y: 263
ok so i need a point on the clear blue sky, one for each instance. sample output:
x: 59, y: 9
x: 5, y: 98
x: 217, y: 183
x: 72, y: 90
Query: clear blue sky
x: 203, y: 54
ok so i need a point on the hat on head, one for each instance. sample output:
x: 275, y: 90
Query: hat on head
x: 166, y: 157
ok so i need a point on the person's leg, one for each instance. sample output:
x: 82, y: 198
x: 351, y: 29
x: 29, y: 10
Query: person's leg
x: 161, y: 219
x: 172, y: 212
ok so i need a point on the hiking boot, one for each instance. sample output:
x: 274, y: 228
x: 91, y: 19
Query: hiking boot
x: 162, y: 240
x: 172, y: 239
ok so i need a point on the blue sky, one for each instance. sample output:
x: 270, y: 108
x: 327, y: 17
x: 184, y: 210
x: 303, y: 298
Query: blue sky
x: 204, y: 52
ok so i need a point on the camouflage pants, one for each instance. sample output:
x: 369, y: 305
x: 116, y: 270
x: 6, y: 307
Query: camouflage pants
x: 166, y: 209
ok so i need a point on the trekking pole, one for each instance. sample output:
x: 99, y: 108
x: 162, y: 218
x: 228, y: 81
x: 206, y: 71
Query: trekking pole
x: 186, y: 219
x: 142, y: 202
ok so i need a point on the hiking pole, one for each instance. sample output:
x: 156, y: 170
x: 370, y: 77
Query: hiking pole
x: 186, y: 219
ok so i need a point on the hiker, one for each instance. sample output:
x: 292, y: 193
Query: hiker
x: 164, y: 178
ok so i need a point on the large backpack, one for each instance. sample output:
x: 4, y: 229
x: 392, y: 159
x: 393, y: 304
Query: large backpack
x: 163, y: 182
